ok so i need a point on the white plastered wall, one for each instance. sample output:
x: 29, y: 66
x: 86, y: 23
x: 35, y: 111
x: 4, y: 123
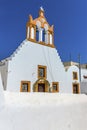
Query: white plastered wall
x: 4, y: 73
x: 83, y: 73
x: 23, y: 66
x: 2, y: 100
x: 69, y: 77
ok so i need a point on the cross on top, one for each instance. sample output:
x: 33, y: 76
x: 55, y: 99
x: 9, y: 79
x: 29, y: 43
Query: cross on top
x: 41, y: 8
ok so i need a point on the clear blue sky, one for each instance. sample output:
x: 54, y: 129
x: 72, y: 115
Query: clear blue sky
x: 68, y: 16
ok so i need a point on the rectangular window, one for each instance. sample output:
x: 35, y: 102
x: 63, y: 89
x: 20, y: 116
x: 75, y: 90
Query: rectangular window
x: 55, y: 86
x: 75, y: 76
x: 76, y: 88
x: 25, y: 86
x: 42, y: 71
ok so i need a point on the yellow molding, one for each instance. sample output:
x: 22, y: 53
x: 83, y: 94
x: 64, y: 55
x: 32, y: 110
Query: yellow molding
x: 45, y: 71
x: 41, y: 43
x: 28, y: 82
x: 32, y: 23
x: 41, y: 81
x: 57, y: 83
x: 78, y: 85
x: 75, y: 73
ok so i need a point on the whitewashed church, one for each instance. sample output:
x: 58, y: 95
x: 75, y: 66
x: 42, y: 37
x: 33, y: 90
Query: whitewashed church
x: 35, y: 66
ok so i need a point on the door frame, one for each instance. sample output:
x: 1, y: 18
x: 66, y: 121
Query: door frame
x: 41, y: 81
x: 78, y: 85
x: 44, y: 87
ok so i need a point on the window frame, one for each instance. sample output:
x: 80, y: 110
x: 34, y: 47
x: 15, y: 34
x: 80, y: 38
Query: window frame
x: 26, y: 82
x: 45, y: 71
x: 57, y: 83
x: 75, y: 73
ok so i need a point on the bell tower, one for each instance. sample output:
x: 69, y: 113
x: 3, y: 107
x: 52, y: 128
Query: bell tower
x: 39, y: 31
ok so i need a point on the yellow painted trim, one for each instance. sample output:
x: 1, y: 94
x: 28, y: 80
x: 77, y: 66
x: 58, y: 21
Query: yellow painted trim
x: 41, y: 43
x: 41, y: 81
x: 57, y: 83
x: 29, y: 84
x: 31, y: 26
x: 45, y: 73
x: 78, y: 85
x: 46, y: 87
x: 75, y: 73
x: 32, y: 23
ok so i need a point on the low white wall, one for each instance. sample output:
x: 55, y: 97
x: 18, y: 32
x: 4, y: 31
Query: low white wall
x: 44, y: 112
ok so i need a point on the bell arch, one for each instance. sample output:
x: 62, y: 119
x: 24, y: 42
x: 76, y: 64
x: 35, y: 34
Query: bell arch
x: 32, y: 32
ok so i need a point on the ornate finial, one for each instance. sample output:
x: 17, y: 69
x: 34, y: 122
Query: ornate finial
x: 41, y: 12
x: 30, y: 18
x: 41, y: 8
